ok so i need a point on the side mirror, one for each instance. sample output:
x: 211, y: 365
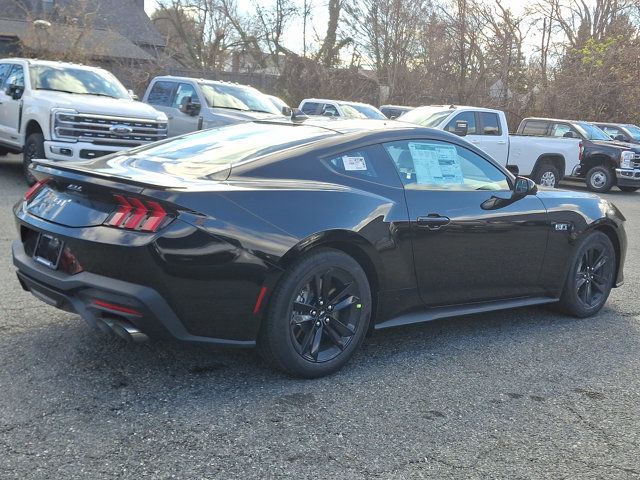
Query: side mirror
x: 189, y: 107
x: 523, y: 187
x: 287, y: 111
x: 462, y: 128
x: 620, y: 138
x: 15, y: 91
x: 133, y: 95
x: 569, y: 134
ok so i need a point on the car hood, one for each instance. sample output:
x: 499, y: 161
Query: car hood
x: 621, y: 145
x: 558, y: 193
x: 93, y: 104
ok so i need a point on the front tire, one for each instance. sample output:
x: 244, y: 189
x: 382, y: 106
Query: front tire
x: 590, y: 277
x: 600, y: 179
x: 547, y: 175
x: 33, y: 148
x: 318, y: 315
x: 629, y: 189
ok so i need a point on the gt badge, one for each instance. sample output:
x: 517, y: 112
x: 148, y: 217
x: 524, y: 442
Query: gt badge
x: 562, y: 227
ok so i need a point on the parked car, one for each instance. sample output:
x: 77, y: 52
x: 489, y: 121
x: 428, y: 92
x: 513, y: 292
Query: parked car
x: 622, y: 132
x: 64, y: 112
x: 277, y: 102
x: 194, y: 104
x: 241, y: 237
x: 394, y: 111
x: 604, y: 161
x: 339, y: 109
x: 546, y: 161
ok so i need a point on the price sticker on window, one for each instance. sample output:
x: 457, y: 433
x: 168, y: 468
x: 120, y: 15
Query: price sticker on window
x: 354, y: 163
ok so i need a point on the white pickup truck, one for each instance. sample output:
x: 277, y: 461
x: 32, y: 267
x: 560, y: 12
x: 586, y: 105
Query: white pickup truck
x: 64, y: 111
x: 545, y: 160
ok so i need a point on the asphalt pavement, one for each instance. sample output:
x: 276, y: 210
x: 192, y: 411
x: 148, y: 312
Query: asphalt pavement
x: 517, y: 394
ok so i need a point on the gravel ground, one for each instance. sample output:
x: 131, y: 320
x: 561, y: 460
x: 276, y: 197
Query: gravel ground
x: 516, y: 394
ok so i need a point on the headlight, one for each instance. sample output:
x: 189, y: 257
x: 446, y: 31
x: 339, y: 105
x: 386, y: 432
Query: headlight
x: 61, y: 117
x: 626, y: 160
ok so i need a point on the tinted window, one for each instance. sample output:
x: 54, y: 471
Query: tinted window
x: 367, y: 163
x: 490, y: 123
x: 161, y: 93
x: 77, y: 80
x: 15, y: 77
x: 4, y: 69
x: 434, y: 165
x: 560, y: 129
x: 535, y: 127
x: 184, y: 91
x: 468, y: 117
x: 310, y: 108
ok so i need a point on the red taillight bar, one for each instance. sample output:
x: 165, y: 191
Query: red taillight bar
x: 136, y: 214
x: 35, y: 188
x: 116, y: 308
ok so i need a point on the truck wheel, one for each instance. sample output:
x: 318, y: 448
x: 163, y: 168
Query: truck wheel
x: 599, y: 179
x: 628, y: 189
x: 33, y: 148
x: 547, y: 175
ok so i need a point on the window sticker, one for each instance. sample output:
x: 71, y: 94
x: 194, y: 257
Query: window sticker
x: 353, y: 163
x: 436, y: 164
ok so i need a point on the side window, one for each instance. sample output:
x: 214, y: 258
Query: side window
x: 161, y: 93
x: 310, y: 108
x: 15, y: 77
x: 435, y: 165
x: 560, y: 130
x: 490, y: 123
x: 4, y: 70
x: 613, y: 131
x: 184, y: 91
x: 469, y: 117
x: 366, y: 163
x: 328, y: 109
x: 535, y: 127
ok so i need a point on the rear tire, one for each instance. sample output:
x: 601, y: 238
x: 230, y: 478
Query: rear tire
x: 629, y: 189
x: 318, y: 315
x: 547, y: 175
x: 600, y: 179
x: 33, y: 148
x: 590, y: 277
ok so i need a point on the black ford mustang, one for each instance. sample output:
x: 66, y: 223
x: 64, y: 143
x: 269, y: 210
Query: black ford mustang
x: 298, y: 238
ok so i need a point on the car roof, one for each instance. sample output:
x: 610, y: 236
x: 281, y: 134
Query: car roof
x: 396, y: 106
x: 175, y: 78
x: 52, y: 63
x: 453, y: 108
x: 327, y: 100
x: 556, y: 120
x: 614, y: 124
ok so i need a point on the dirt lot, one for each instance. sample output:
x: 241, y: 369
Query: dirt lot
x: 516, y: 394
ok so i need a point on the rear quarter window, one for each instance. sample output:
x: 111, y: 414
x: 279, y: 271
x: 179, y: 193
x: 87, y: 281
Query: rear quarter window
x: 367, y: 163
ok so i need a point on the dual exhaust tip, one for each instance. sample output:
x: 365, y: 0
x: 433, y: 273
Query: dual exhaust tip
x: 122, y: 329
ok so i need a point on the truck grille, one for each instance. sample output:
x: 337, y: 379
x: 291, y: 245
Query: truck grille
x: 108, y: 130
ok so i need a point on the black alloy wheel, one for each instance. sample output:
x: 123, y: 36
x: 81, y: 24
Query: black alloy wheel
x: 33, y: 149
x: 591, y: 276
x: 317, y: 315
x: 325, y: 315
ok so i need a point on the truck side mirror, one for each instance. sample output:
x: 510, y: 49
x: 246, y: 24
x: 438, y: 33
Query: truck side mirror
x: 15, y: 91
x: 461, y: 128
x: 189, y: 107
x: 620, y: 138
x: 133, y: 95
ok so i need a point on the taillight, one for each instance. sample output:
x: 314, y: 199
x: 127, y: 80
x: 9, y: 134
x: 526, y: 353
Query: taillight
x: 136, y: 214
x: 34, y: 189
x: 580, y: 151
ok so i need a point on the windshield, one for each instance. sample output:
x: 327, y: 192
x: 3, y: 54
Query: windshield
x: 426, y: 116
x: 591, y: 132
x: 633, y: 131
x: 366, y: 110
x: 350, y: 112
x: 236, y: 97
x: 81, y: 81
x: 277, y: 102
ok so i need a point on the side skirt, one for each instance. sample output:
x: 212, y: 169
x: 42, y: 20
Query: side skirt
x: 459, y: 310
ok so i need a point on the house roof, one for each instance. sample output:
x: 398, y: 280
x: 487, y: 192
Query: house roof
x: 127, y: 17
x: 62, y: 38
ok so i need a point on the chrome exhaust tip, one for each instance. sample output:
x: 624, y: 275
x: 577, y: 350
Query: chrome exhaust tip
x: 125, y: 330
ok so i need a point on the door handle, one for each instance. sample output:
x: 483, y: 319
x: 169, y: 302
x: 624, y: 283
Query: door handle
x: 433, y: 221
x: 502, y: 142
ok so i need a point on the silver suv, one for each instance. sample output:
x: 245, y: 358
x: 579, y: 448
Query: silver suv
x: 194, y: 104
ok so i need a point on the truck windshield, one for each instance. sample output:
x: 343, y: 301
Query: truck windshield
x: 591, y: 132
x: 366, y: 110
x: 633, y: 131
x: 426, y: 116
x: 81, y: 81
x: 236, y: 98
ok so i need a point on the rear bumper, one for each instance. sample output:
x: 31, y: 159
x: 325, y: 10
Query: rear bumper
x: 143, y: 307
x: 627, y: 177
